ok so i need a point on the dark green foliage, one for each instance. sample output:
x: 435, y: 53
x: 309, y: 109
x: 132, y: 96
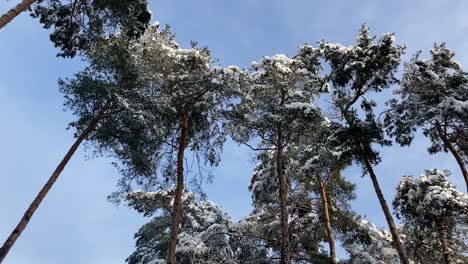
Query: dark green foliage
x: 355, y: 71
x: 184, y: 82
x: 276, y: 107
x: 78, y: 24
x: 321, y: 164
x: 433, y: 93
x: 278, y: 95
x: 110, y: 82
x: 427, y: 206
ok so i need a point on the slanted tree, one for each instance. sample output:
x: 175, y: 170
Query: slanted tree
x: 113, y: 113
x: 190, y: 93
x: 355, y: 72
x: 434, y: 98
x: 78, y: 24
x: 273, y: 108
x: 208, y: 234
x: 435, y: 217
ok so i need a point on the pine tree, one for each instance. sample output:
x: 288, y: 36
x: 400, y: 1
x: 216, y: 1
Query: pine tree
x: 355, y: 71
x: 106, y: 98
x: 321, y: 163
x: 273, y: 108
x: 304, y: 226
x: 435, y: 217
x: 78, y: 24
x: 433, y: 98
x: 190, y: 94
x: 312, y: 168
x: 208, y: 234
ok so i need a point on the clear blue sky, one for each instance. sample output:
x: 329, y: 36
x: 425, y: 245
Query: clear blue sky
x: 75, y: 223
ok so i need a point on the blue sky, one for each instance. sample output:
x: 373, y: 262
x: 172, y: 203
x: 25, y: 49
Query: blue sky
x: 75, y: 223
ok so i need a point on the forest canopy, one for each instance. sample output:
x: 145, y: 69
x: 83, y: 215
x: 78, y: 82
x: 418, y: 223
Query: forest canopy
x: 162, y: 112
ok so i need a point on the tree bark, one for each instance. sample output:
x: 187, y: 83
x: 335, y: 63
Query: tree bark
x: 388, y: 216
x: 177, y: 206
x: 15, y: 11
x: 443, y: 242
x: 283, y: 195
x: 326, y: 213
x: 46, y: 188
x: 454, y: 152
x: 383, y: 203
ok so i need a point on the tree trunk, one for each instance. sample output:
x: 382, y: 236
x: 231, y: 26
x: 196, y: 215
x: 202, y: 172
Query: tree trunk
x: 177, y: 207
x: 283, y: 196
x: 388, y: 216
x: 443, y: 242
x: 383, y: 203
x: 326, y: 212
x: 454, y: 152
x: 15, y: 11
x: 46, y: 188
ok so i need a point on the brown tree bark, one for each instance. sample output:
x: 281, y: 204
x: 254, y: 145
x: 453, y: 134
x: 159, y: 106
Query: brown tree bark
x: 177, y: 207
x: 443, y: 242
x: 46, y: 188
x: 15, y: 11
x: 454, y: 152
x: 283, y: 195
x: 383, y: 203
x: 388, y: 215
x: 326, y: 214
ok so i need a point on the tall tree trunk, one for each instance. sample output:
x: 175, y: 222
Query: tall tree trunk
x: 443, y: 241
x: 46, y: 188
x: 15, y: 11
x: 177, y: 207
x: 326, y: 213
x: 388, y: 216
x: 283, y: 195
x: 383, y: 203
x: 454, y: 152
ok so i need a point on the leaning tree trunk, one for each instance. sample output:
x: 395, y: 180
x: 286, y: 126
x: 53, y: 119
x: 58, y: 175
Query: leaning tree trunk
x: 443, y: 241
x: 383, y: 203
x: 46, y: 188
x: 283, y: 196
x: 388, y: 215
x: 15, y: 11
x: 177, y: 207
x: 454, y: 152
x: 326, y: 213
